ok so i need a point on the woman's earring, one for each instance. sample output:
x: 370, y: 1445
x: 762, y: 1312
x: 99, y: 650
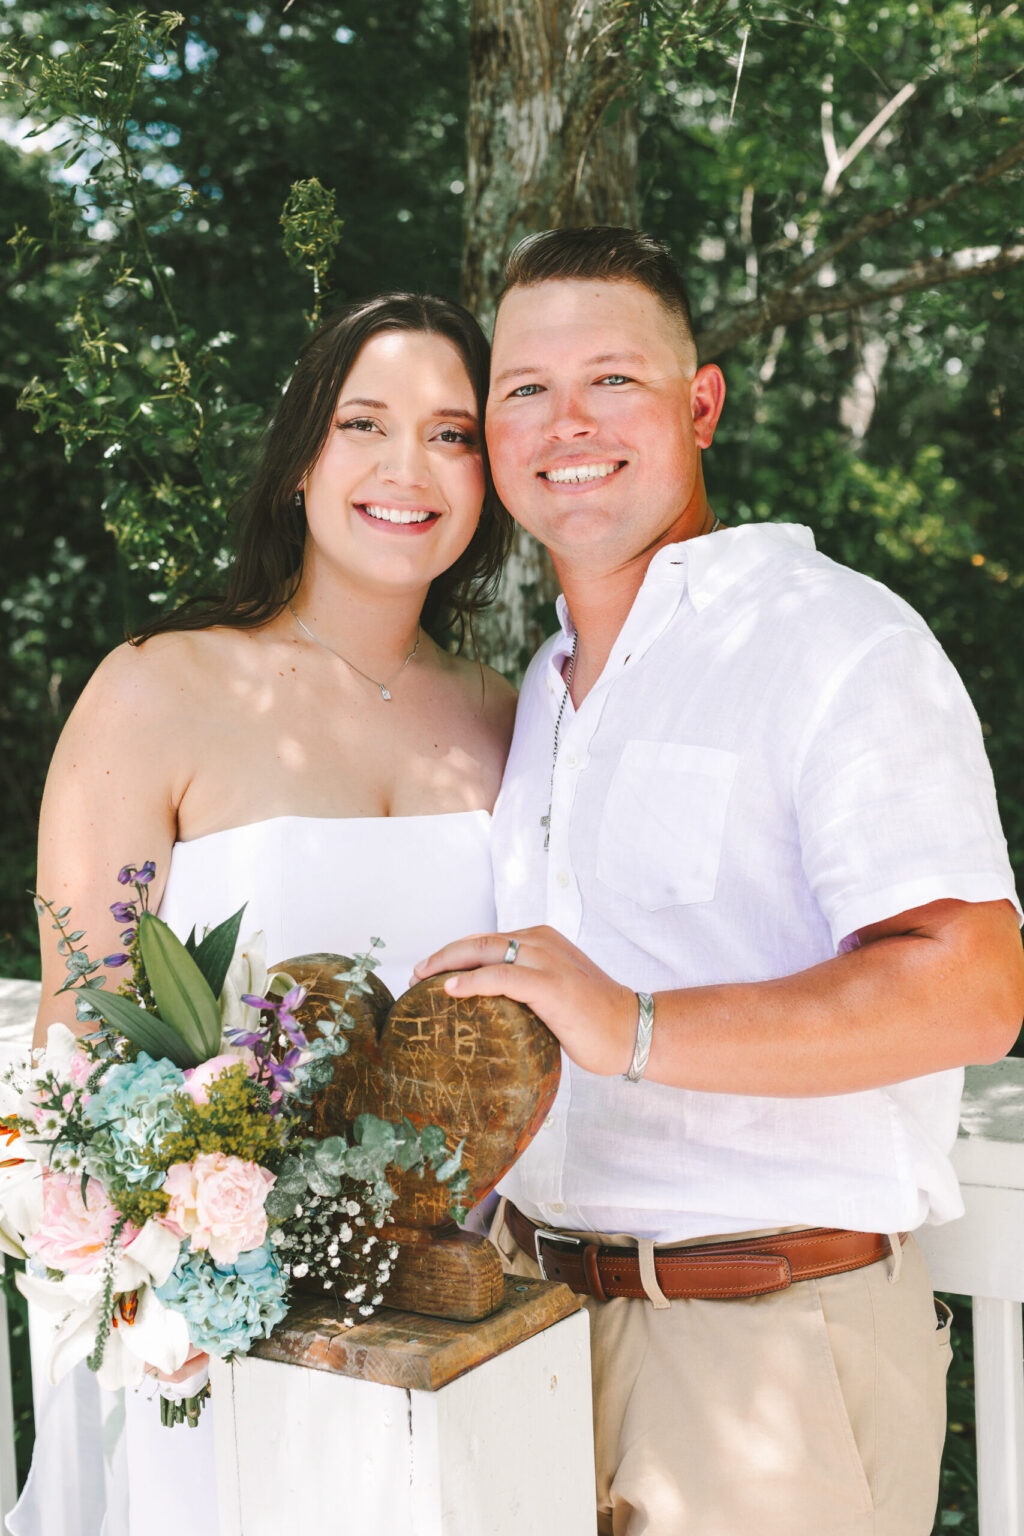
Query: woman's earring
x: 299, y: 501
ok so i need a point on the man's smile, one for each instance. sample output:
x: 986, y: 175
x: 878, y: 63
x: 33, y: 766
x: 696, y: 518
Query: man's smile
x: 579, y: 474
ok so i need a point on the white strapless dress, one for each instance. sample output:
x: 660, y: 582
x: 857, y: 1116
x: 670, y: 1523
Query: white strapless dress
x: 103, y: 1465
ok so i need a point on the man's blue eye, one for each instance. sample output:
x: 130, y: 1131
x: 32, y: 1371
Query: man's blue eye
x: 615, y: 378
x: 526, y: 390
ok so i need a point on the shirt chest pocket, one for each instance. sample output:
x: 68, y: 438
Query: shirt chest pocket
x: 660, y: 838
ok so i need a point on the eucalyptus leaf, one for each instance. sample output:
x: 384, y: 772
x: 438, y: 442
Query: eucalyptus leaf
x: 280, y: 1205
x: 329, y: 1156
x: 291, y: 1177
x: 451, y: 1165
x: 374, y: 1134
x: 432, y: 1139
x: 360, y: 1164
x: 322, y: 1183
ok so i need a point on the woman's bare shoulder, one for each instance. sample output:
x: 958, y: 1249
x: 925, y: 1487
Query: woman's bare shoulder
x: 490, y: 694
x: 168, y: 668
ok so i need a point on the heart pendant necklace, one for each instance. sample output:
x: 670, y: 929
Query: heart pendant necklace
x: 385, y: 687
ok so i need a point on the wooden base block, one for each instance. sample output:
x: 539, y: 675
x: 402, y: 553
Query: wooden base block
x: 444, y: 1273
x: 406, y: 1349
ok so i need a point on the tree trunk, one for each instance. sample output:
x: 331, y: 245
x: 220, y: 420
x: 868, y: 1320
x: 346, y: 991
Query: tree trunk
x: 542, y: 73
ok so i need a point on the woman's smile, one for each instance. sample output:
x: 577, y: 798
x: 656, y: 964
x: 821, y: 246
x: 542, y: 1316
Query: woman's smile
x: 395, y: 496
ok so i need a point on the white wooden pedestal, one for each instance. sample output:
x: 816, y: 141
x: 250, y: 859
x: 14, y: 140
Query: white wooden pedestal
x: 982, y: 1255
x: 503, y: 1449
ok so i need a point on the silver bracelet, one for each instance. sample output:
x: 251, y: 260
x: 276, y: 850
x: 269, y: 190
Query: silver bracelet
x: 644, y: 1035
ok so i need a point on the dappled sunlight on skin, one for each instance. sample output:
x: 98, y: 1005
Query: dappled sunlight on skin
x: 320, y: 743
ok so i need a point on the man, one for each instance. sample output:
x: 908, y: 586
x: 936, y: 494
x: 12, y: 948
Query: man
x: 749, y: 871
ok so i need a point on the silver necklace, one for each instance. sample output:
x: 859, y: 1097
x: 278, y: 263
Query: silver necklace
x: 385, y: 687
x: 545, y: 821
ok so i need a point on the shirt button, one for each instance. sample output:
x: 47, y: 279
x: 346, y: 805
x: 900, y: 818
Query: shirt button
x: 562, y: 879
x: 549, y: 1122
x: 557, y: 1207
x: 572, y: 761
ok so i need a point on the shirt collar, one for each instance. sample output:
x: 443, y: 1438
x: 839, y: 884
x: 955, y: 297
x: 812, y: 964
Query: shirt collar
x: 709, y: 565
x: 705, y: 567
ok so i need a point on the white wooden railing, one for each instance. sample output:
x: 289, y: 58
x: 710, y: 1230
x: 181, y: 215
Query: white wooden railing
x: 981, y: 1256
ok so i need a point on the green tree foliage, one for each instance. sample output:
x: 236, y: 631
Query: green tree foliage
x: 840, y: 180
x: 150, y: 296
x: 887, y: 427
x: 813, y: 153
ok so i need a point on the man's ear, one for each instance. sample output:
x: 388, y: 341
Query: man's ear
x: 707, y: 396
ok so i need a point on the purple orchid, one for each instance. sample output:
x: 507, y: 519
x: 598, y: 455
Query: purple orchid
x: 146, y: 873
x: 127, y: 875
x: 282, y: 1072
x: 124, y: 911
x: 255, y: 1040
x: 283, y: 1011
x: 115, y: 960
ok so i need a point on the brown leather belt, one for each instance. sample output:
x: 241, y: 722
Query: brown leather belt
x: 708, y: 1271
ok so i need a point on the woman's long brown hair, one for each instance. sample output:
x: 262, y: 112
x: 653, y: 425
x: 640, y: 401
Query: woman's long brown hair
x: 271, y: 519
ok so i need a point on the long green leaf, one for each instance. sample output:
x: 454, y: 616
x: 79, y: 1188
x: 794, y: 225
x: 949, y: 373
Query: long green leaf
x: 180, y: 990
x: 216, y: 951
x: 143, y: 1029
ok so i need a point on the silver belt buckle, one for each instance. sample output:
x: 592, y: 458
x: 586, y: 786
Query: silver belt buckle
x: 552, y: 1237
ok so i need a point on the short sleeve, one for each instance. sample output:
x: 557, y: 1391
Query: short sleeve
x: 895, y: 801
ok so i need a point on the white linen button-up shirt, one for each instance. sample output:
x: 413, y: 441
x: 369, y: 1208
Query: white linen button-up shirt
x: 777, y: 754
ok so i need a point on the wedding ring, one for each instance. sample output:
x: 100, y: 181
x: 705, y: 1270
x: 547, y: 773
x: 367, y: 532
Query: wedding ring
x: 511, y: 952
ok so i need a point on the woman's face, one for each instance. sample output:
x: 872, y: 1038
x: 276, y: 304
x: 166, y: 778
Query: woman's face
x: 395, y: 496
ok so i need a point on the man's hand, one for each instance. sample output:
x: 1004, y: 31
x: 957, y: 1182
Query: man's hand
x: 593, y: 1017
x: 927, y: 989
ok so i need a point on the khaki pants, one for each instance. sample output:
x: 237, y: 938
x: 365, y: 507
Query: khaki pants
x: 815, y: 1411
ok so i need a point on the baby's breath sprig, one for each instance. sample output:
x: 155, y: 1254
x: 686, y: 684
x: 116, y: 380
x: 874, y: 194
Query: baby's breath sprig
x: 328, y: 1241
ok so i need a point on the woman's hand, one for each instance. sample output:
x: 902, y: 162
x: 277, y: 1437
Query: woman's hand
x: 594, y: 1017
x: 195, y: 1360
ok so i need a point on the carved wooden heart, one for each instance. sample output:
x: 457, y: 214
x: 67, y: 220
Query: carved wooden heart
x: 484, y: 1069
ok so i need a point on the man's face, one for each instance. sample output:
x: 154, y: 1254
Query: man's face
x: 596, y: 419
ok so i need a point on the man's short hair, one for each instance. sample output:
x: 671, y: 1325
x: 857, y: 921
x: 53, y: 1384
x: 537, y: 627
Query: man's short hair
x: 603, y: 252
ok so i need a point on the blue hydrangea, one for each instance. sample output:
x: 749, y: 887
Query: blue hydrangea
x: 134, y: 1108
x: 226, y: 1306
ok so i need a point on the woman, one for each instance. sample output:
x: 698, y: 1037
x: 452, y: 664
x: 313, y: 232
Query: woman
x: 305, y: 744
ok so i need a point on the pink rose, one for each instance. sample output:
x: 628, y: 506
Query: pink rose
x: 217, y: 1202
x: 198, y: 1079
x: 73, y: 1234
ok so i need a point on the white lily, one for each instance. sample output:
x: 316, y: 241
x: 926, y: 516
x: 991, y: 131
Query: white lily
x: 21, y: 1199
x: 247, y: 973
x: 21, y: 1181
x: 58, y: 1052
x: 157, y: 1336
x: 21, y: 1082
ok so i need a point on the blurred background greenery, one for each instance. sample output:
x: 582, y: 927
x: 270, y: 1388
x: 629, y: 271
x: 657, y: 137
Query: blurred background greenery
x: 182, y: 195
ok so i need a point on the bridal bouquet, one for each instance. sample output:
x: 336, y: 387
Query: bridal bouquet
x: 159, y: 1179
